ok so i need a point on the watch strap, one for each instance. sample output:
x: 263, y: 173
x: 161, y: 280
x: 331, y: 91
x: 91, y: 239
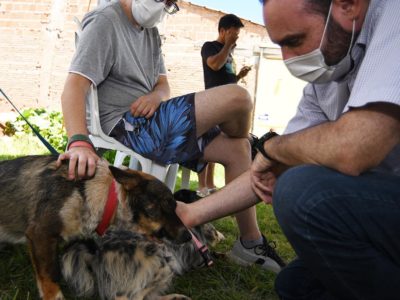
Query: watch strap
x: 260, y: 144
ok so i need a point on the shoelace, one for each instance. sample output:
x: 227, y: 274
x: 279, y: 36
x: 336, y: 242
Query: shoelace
x: 266, y: 249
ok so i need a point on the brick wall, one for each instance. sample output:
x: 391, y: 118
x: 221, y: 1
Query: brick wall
x: 37, y: 44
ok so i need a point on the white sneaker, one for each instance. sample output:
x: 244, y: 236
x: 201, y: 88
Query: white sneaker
x: 203, y: 192
x: 263, y: 255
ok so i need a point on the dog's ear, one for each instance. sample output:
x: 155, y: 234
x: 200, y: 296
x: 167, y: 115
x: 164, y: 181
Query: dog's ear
x: 128, y: 178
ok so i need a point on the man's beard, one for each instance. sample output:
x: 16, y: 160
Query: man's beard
x: 337, y: 43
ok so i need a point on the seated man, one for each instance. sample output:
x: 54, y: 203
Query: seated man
x: 120, y: 53
x: 338, y: 202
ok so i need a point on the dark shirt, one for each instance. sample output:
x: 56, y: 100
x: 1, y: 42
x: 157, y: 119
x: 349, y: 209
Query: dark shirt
x: 225, y: 75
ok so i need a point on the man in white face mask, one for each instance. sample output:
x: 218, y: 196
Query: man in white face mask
x: 119, y: 51
x: 313, y: 67
x: 334, y: 175
x: 148, y: 14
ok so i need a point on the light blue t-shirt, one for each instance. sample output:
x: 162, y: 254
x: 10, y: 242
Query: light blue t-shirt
x: 123, y: 61
x: 374, y: 78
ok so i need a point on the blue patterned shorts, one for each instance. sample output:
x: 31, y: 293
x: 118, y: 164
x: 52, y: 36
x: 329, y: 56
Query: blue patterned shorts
x: 169, y: 136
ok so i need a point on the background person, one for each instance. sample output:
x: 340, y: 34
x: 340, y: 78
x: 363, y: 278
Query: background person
x: 119, y: 51
x: 219, y: 68
x: 338, y: 202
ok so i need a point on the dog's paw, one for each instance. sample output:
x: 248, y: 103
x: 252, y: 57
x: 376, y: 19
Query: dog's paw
x: 174, y: 297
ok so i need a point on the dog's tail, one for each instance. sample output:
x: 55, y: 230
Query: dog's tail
x: 77, y: 265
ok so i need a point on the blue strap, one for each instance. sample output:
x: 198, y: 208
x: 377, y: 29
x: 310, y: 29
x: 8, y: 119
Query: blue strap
x: 41, y: 138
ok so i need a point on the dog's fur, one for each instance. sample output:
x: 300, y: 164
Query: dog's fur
x: 127, y: 265
x: 39, y: 204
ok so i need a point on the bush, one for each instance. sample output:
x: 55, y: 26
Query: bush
x: 48, y: 123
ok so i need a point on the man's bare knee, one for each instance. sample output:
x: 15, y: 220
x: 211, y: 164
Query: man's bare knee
x: 240, y: 99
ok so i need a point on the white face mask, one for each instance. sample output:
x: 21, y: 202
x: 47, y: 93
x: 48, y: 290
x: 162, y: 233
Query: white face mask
x: 311, y: 67
x: 148, y: 13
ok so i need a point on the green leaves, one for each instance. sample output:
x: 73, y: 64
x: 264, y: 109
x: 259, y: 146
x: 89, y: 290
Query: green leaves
x: 48, y: 123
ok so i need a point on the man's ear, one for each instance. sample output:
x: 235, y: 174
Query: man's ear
x: 222, y: 32
x: 347, y: 9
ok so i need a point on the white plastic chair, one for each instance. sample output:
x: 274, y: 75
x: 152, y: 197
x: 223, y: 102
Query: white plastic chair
x: 165, y: 173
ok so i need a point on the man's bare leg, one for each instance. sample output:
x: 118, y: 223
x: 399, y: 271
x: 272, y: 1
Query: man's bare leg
x: 234, y: 155
x: 229, y: 107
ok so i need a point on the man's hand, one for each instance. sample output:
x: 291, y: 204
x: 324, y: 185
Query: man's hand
x: 243, y: 72
x: 231, y: 37
x: 262, y: 179
x: 145, y: 106
x: 263, y: 175
x: 82, y: 162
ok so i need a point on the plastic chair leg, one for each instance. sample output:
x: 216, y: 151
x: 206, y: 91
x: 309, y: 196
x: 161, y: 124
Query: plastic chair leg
x: 185, y: 178
x: 119, y: 158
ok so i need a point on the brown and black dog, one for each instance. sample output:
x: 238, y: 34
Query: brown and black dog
x: 125, y: 265
x: 41, y: 206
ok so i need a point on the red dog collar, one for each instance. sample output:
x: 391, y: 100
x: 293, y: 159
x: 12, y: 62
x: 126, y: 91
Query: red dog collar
x: 109, y: 209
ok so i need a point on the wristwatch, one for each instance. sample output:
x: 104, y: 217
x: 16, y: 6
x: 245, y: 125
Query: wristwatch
x: 262, y: 140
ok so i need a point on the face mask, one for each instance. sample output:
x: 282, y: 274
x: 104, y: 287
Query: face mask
x: 148, y: 13
x: 311, y: 67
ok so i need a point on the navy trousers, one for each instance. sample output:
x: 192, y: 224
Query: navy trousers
x: 345, y: 231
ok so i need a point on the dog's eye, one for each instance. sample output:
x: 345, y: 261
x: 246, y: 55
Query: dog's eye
x: 153, y: 214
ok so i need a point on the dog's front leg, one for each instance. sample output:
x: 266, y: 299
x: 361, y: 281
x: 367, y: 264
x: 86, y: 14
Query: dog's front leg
x: 43, y: 253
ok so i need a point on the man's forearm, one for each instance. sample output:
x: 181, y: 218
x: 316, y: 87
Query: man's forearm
x: 356, y: 142
x: 216, y: 62
x: 162, y: 89
x: 74, y: 114
x: 74, y: 106
x: 234, y: 197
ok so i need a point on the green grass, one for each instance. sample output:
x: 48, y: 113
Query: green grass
x: 223, y: 281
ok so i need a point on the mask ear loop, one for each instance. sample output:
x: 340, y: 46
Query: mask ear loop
x: 326, y: 25
x: 352, y: 36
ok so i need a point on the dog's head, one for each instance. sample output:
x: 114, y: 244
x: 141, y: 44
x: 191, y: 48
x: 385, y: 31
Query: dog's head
x: 151, y: 204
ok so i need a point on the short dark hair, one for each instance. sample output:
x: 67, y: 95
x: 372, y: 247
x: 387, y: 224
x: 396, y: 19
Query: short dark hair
x: 229, y: 21
x: 317, y: 6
